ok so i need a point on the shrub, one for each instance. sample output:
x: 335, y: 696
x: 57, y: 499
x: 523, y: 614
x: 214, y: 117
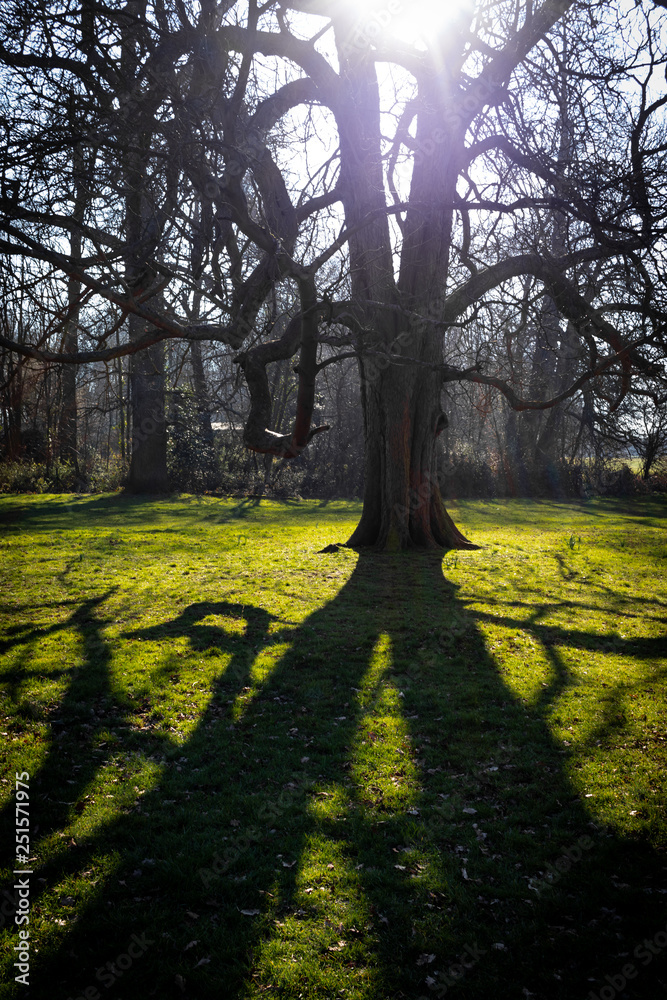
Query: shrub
x: 28, y: 476
x: 103, y: 477
x: 463, y: 477
x: 191, y: 458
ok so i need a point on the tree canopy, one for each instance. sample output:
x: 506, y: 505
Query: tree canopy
x: 478, y: 200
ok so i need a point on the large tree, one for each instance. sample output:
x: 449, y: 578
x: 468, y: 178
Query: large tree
x: 398, y: 190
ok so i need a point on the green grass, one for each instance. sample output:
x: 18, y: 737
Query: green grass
x: 260, y: 771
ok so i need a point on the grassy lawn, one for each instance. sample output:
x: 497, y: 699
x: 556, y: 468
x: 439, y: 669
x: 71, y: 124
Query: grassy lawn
x: 260, y: 771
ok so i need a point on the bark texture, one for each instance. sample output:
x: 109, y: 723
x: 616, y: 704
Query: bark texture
x: 148, y: 462
x: 403, y: 507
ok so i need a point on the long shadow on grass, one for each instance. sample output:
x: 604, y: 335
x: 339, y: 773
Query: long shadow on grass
x: 380, y: 802
x: 69, y: 765
x: 90, y: 709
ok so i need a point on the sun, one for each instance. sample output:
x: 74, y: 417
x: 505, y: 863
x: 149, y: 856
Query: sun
x: 412, y: 21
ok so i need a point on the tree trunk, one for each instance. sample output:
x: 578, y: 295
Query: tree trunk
x: 148, y: 462
x: 68, y: 411
x: 557, y: 350
x: 68, y: 403
x: 403, y: 506
x: 201, y: 394
x: 12, y: 408
x: 122, y: 422
x: 651, y: 451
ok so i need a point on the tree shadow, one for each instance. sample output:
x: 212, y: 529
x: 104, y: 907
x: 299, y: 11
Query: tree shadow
x: 90, y: 707
x: 450, y: 842
x: 190, y: 623
x: 648, y: 648
x: 246, y: 506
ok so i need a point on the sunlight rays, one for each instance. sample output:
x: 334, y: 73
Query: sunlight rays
x: 418, y: 21
x: 415, y: 22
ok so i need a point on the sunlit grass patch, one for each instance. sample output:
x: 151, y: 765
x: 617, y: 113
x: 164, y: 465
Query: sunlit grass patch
x: 323, y: 941
x: 382, y: 769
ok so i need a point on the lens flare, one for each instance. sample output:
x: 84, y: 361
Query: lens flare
x: 413, y: 21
